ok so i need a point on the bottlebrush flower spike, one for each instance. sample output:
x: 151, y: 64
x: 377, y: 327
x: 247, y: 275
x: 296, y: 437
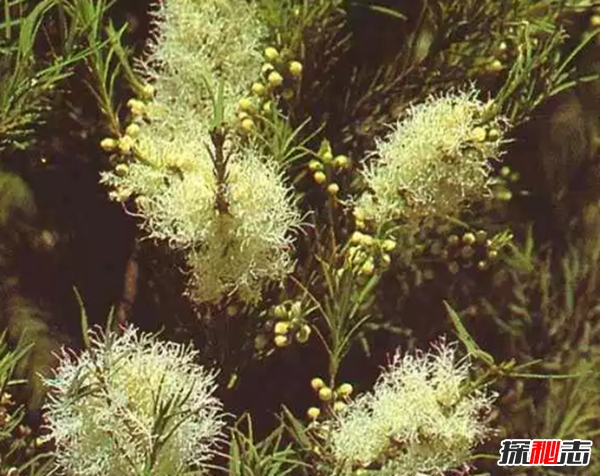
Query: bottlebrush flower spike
x: 434, y: 161
x: 132, y: 405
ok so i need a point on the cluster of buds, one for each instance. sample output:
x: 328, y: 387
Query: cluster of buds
x: 503, y: 184
x: 325, y: 166
x: 368, y: 253
x: 446, y: 248
x: 122, y: 148
x: 336, y: 400
x: 288, y: 324
x: 279, y: 77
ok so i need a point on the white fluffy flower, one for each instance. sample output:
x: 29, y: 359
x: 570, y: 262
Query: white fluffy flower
x: 132, y: 405
x: 416, y: 421
x: 203, y: 43
x: 434, y: 161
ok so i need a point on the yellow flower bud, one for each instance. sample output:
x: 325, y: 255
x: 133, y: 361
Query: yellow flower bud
x: 267, y: 107
x: 339, y: 407
x: 356, y: 237
x: 386, y: 259
x: 345, y: 390
x: 295, y: 68
x: 313, y: 413
x: 333, y: 188
x: 315, y: 165
x: 108, y: 144
x: 325, y: 394
x: 493, y: 134
x: 271, y: 54
x: 125, y: 144
x: 319, y: 177
x: 282, y: 327
x: 327, y: 157
x: 495, y: 66
x: 280, y: 312
x: 267, y: 68
x: 317, y: 384
x: 275, y: 79
x: 341, y: 162
x: 388, y: 245
x: 303, y: 334
x: 595, y: 21
x: 479, y: 134
x: 137, y: 107
x: 469, y: 238
x: 368, y: 267
x: 281, y: 341
x: 132, y: 130
x: 148, y: 91
x: 248, y: 124
x: 258, y: 89
x: 245, y: 104
x: 296, y: 309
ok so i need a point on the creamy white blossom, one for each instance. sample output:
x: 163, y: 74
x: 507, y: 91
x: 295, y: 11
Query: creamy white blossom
x: 420, y: 418
x: 106, y: 405
x: 199, y: 45
x: 434, y: 161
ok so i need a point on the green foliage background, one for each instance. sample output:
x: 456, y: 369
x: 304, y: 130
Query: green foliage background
x: 66, y: 72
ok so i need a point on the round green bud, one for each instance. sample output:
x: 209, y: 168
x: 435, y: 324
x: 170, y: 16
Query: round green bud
x: 271, y: 54
x: 341, y: 162
x: 245, y: 104
x: 345, y: 390
x: 469, y: 238
x: 275, y: 79
x: 325, y: 394
x: 281, y: 340
x: 319, y: 177
x: 108, y: 144
x: 280, y: 312
x: 313, y: 413
x: 333, y: 189
x: 259, y: 89
x: 295, y: 68
x: 282, y: 327
x: 132, y: 130
x: 315, y: 165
